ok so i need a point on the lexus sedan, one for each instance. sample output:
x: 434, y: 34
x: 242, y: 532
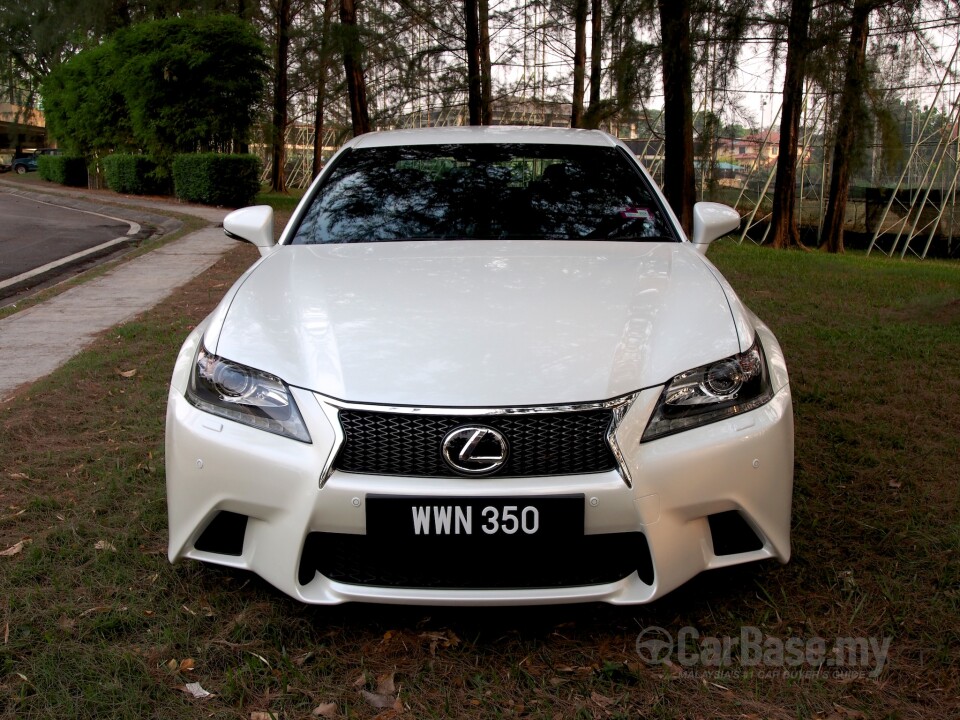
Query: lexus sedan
x: 481, y: 366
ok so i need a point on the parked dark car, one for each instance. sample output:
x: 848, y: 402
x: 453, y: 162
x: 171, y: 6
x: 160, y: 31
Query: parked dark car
x: 28, y: 163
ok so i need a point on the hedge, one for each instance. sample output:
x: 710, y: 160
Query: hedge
x: 215, y: 179
x: 135, y: 174
x: 63, y: 169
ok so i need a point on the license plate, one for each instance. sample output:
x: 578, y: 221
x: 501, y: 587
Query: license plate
x: 494, y: 519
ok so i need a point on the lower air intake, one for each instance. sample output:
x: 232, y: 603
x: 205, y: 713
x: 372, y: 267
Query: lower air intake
x: 224, y: 534
x: 466, y: 563
x: 732, y: 534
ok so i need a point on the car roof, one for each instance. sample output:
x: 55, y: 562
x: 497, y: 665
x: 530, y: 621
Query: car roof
x: 483, y: 135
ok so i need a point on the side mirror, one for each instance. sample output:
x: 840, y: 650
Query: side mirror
x: 710, y: 221
x: 253, y: 225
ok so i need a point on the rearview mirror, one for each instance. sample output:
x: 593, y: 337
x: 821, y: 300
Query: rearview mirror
x: 710, y: 221
x: 253, y: 225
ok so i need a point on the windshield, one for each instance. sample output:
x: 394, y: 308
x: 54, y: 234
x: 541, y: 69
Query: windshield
x: 481, y: 192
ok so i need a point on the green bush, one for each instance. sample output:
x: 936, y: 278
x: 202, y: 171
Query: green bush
x: 63, y: 169
x: 215, y: 179
x: 159, y: 87
x: 135, y: 174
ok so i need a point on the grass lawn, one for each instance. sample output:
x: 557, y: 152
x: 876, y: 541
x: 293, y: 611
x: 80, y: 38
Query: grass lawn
x: 280, y: 201
x: 96, y: 624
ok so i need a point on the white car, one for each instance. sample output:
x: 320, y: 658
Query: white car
x: 481, y: 366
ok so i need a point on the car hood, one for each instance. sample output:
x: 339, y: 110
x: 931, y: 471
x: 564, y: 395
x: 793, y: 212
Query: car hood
x: 477, y: 323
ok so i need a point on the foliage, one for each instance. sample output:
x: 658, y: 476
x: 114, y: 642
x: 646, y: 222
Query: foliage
x: 63, y: 169
x: 190, y: 83
x: 158, y: 88
x: 84, y: 108
x: 133, y: 174
x: 215, y: 179
x: 37, y: 35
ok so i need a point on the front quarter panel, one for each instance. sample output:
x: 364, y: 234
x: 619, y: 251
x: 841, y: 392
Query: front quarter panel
x: 213, y: 324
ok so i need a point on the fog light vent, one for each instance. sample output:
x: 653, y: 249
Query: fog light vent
x: 224, y: 534
x: 732, y: 534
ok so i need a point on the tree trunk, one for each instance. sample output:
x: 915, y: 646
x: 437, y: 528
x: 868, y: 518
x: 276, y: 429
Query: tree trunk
x: 472, y: 47
x: 679, y: 185
x: 579, y: 60
x: 324, y: 70
x: 486, y: 80
x: 353, y: 68
x: 783, y: 223
x: 278, y: 181
x: 596, y: 51
x: 120, y: 17
x: 846, y: 127
x: 598, y: 110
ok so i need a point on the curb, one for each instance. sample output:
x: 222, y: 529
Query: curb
x: 150, y: 226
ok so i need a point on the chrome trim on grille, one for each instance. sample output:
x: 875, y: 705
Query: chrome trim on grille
x: 332, y: 412
x: 618, y: 412
x: 331, y: 408
x: 520, y: 410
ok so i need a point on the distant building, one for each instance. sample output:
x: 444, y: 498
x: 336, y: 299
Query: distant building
x: 21, y: 130
x: 750, y: 151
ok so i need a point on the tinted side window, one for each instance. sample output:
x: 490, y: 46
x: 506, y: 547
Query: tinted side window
x: 480, y: 191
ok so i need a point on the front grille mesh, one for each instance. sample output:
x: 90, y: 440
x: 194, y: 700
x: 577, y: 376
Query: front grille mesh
x: 561, y: 443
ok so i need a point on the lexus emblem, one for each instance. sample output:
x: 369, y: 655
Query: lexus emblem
x: 475, y: 450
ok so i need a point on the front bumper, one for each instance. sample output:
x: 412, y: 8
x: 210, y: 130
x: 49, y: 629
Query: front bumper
x: 681, y: 486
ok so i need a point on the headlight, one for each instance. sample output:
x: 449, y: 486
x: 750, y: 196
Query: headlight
x: 244, y: 395
x: 712, y: 392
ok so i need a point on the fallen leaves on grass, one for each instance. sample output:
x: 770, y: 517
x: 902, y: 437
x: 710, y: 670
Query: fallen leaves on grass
x: 841, y: 713
x: 385, y: 695
x: 96, y: 609
x: 381, y: 701
x: 327, y: 710
x: 127, y: 373
x: 16, y: 548
x: 446, y: 639
x: 186, y: 665
x: 601, y: 700
x: 104, y: 545
x: 301, y: 660
x: 261, y: 658
x: 196, y: 690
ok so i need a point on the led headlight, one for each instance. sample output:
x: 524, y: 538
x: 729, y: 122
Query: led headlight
x: 245, y: 395
x: 713, y: 392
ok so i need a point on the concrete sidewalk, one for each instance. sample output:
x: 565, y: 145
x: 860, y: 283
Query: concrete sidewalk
x: 38, y: 340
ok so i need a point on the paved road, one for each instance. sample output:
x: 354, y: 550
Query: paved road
x: 35, y: 234
x: 37, y: 340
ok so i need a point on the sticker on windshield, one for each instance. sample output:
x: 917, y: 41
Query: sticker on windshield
x: 631, y: 213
